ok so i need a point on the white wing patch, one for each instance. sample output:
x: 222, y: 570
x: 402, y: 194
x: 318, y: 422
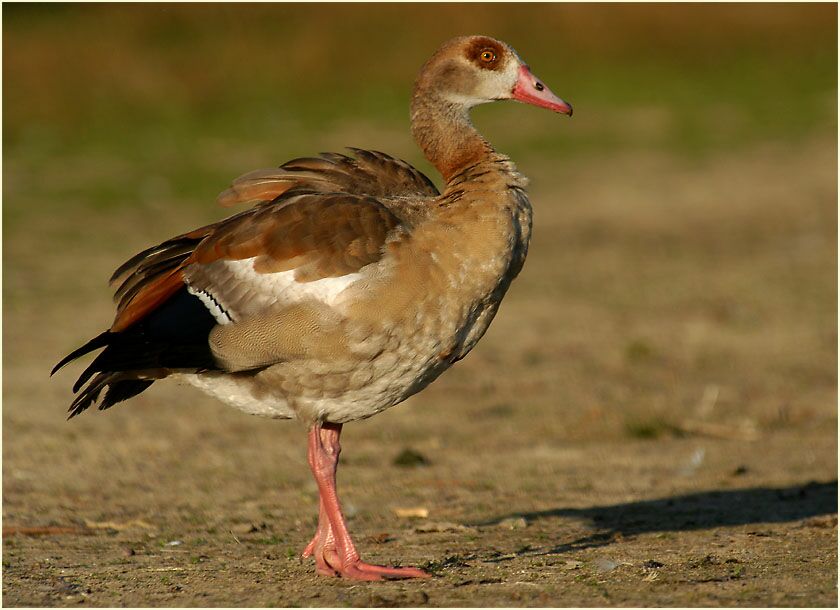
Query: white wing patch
x: 232, y: 290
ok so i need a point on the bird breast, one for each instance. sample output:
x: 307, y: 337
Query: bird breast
x: 453, y: 273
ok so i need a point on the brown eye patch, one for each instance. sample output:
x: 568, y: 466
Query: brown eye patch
x: 486, y: 53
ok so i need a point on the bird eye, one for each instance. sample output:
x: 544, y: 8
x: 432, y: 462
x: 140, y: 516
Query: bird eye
x: 487, y: 55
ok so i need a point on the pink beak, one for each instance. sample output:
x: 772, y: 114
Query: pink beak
x: 530, y: 90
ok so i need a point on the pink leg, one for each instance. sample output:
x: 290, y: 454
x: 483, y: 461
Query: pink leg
x: 322, y: 545
x: 310, y: 548
x: 321, y: 531
x: 333, y: 548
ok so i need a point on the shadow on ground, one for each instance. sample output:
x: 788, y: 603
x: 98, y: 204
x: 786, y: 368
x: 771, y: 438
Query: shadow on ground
x: 705, y: 510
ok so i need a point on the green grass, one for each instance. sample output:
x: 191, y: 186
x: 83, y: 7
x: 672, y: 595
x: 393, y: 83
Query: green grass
x: 195, y: 95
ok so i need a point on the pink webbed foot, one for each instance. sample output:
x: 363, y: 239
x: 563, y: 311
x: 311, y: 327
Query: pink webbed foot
x: 328, y: 563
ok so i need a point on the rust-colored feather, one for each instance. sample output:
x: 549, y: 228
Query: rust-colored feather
x: 147, y: 299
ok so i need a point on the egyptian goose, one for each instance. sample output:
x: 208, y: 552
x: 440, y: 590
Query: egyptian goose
x: 350, y: 285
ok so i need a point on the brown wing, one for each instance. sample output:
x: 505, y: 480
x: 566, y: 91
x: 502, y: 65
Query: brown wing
x: 316, y: 234
x: 370, y: 173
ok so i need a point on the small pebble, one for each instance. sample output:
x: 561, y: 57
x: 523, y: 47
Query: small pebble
x: 513, y: 523
x: 605, y: 565
x: 129, y: 552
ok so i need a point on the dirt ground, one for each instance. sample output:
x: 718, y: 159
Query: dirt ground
x: 650, y: 421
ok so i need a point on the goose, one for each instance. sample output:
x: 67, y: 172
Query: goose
x: 350, y: 284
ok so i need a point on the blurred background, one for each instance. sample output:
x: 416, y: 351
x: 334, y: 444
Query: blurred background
x: 681, y: 284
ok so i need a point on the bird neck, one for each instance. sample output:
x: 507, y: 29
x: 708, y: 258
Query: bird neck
x: 446, y: 135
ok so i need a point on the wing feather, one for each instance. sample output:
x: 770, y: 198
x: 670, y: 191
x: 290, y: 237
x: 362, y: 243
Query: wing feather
x: 370, y: 173
x: 316, y: 218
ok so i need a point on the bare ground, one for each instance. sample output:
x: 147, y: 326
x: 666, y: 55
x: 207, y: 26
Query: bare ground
x: 650, y: 421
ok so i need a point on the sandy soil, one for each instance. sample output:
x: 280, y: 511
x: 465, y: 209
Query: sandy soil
x: 650, y: 421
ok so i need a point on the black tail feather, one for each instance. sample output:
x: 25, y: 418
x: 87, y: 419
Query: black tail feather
x: 91, y: 393
x: 123, y: 390
x: 119, y: 387
x: 98, y: 341
x: 87, y: 374
x: 173, y: 338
